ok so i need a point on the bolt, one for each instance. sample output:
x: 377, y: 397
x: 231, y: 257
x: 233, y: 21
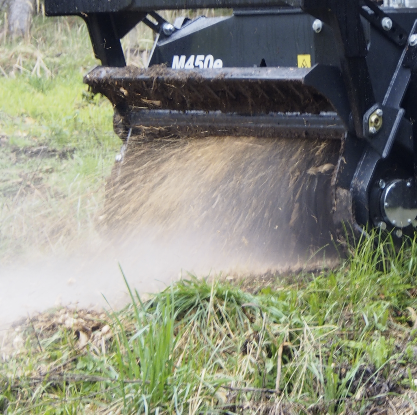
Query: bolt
x: 381, y: 184
x: 317, y: 25
x: 375, y: 121
x: 412, y: 40
x: 382, y: 226
x: 386, y: 23
x: 399, y: 233
x: 168, y: 29
x: 394, y: 222
x: 409, y: 184
x: 386, y: 204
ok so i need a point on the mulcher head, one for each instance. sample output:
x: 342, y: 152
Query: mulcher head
x: 307, y: 112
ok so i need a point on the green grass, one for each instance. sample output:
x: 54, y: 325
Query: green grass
x: 344, y: 340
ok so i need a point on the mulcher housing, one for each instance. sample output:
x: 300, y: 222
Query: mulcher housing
x: 341, y: 69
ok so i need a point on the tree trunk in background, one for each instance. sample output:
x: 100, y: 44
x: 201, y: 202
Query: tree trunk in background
x: 3, y: 5
x: 20, y: 16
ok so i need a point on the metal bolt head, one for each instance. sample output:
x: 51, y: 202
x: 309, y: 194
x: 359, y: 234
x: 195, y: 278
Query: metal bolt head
x: 398, y: 233
x: 386, y: 204
x: 168, y: 29
x: 386, y: 23
x: 381, y: 184
x: 317, y: 25
x: 375, y: 121
x: 412, y: 40
x: 409, y: 184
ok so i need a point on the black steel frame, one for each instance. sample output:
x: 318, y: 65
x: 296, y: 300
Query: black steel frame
x: 109, y: 21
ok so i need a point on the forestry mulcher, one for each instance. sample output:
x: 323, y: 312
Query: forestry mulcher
x: 270, y: 131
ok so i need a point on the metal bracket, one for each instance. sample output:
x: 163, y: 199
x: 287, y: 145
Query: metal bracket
x: 106, y: 44
x: 391, y: 111
x: 345, y: 20
x: 156, y: 27
x: 378, y: 143
x: 379, y: 147
x: 161, y: 27
x: 383, y: 23
x: 106, y: 30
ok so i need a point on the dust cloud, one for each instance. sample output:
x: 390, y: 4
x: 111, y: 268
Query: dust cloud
x: 90, y: 277
x: 236, y: 206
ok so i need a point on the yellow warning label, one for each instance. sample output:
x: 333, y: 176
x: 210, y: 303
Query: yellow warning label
x: 304, y: 61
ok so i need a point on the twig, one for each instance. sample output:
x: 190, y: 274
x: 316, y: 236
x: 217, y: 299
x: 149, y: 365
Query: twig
x: 279, y: 365
x: 54, y: 369
x: 263, y: 390
x: 36, y: 334
x: 393, y: 408
x: 77, y: 378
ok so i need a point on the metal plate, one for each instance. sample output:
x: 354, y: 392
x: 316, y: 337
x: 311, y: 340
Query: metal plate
x: 68, y: 7
x: 399, y: 203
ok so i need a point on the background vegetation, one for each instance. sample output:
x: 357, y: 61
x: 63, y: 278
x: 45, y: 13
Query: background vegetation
x: 57, y: 143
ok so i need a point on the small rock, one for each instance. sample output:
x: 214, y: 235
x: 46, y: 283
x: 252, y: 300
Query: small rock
x: 42, y: 370
x: 69, y: 322
x: 359, y: 394
x: 83, y: 340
